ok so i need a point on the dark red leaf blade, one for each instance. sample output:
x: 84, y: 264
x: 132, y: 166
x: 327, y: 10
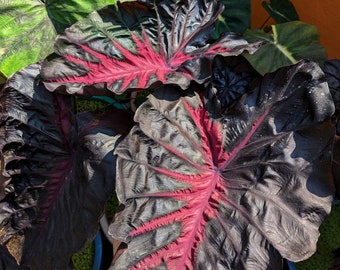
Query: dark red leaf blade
x: 57, y: 172
x: 138, y: 45
x: 236, y: 191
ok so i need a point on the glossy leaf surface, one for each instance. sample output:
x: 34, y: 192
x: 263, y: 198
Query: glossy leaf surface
x: 332, y: 71
x: 286, y: 45
x: 137, y: 44
x: 232, y: 77
x: 237, y: 191
x: 58, y: 170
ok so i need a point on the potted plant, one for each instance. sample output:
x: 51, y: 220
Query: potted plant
x: 225, y: 167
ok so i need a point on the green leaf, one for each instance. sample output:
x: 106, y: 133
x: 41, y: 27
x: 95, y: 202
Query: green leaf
x: 26, y: 34
x: 28, y: 28
x: 65, y: 13
x: 286, y: 45
x: 235, y: 17
x: 281, y: 10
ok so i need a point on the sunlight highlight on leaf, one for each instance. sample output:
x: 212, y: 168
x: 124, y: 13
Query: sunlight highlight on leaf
x: 235, y: 190
x: 138, y: 46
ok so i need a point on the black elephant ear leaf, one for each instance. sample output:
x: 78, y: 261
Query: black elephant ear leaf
x: 234, y: 192
x: 231, y: 78
x: 138, y: 45
x: 331, y: 68
x: 57, y: 172
x: 332, y: 71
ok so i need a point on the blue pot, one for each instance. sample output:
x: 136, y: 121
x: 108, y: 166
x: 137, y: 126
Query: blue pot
x: 98, y: 252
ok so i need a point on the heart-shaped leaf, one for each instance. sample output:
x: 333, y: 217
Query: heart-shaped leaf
x: 287, y: 44
x: 228, y: 192
x: 136, y: 45
x: 58, y: 170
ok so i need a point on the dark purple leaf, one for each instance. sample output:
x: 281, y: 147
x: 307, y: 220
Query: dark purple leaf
x: 332, y: 71
x: 232, y: 77
x: 135, y: 45
x: 231, y: 192
x: 58, y: 171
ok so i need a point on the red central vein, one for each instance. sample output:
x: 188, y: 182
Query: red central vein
x: 131, y: 64
x: 140, y: 65
x: 201, y: 119
x: 192, y: 243
x: 192, y: 234
x: 202, y: 198
x: 200, y: 205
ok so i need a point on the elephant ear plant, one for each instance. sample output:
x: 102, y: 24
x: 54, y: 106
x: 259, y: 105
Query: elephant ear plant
x: 232, y: 189
x: 223, y: 169
x: 57, y: 171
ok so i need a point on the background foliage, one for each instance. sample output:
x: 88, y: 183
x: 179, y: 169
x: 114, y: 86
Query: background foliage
x: 28, y: 30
